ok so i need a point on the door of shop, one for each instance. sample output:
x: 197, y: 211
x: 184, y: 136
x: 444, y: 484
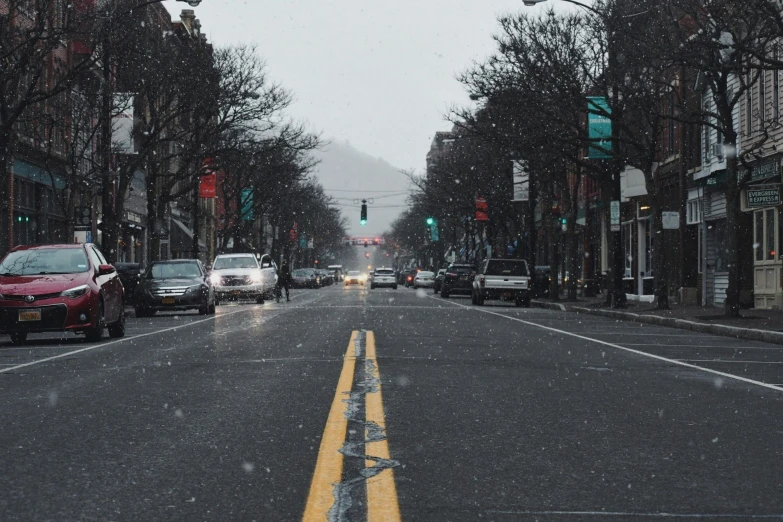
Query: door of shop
x: 766, y: 260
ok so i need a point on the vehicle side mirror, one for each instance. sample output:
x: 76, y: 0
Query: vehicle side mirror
x: 106, y: 270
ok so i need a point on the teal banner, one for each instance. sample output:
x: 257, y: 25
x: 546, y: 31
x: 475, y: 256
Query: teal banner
x: 247, y: 204
x: 599, y: 128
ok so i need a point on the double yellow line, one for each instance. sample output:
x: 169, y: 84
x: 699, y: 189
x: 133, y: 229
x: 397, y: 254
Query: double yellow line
x: 382, y: 502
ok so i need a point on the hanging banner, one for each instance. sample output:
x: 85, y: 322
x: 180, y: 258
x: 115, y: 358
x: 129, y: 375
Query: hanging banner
x: 122, y: 124
x: 521, y: 182
x: 599, y: 128
x: 481, y: 209
x: 207, y: 187
x: 247, y: 204
x: 614, y: 214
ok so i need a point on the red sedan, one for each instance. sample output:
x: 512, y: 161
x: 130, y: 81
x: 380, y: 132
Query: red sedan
x: 55, y: 288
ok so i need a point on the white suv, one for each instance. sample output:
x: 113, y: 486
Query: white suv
x: 383, y: 277
x: 237, y: 276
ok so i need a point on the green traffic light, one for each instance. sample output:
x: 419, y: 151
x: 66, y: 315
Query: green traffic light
x: 430, y: 221
x: 363, y: 222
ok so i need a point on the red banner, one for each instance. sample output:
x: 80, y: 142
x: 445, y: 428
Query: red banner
x: 481, y: 209
x: 208, y: 186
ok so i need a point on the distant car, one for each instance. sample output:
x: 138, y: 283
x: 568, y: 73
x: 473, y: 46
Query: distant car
x: 458, y: 279
x: 180, y: 284
x: 439, y: 280
x: 237, y: 276
x: 383, y: 277
x: 424, y: 279
x: 56, y: 288
x: 354, y: 277
x: 129, y: 273
x: 411, y: 276
x: 327, y: 278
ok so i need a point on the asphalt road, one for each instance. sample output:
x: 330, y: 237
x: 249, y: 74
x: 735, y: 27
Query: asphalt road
x: 361, y: 404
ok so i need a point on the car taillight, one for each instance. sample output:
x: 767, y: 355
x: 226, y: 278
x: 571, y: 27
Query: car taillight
x: 481, y: 281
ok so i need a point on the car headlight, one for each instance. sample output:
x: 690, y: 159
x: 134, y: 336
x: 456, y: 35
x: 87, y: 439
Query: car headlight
x: 255, y: 277
x: 215, y: 279
x: 73, y: 293
x: 193, y: 290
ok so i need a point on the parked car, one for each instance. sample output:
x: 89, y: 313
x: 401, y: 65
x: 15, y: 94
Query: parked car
x: 237, y: 276
x: 383, y: 277
x: 458, y: 279
x: 439, y: 280
x: 327, y: 278
x: 303, y: 278
x: 540, y: 285
x: 354, y: 277
x: 180, y: 284
x: 129, y: 273
x: 502, y: 279
x: 55, y: 288
x: 424, y: 279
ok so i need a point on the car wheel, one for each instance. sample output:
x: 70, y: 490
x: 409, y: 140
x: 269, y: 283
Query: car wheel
x: 204, y: 309
x: 18, y: 338
x: 140, y: 312
x: 95, y: 334
x: 395, y: 287
x: 372, y: 287
x: 479, y: 299
x: 518, y: 302
x: 260, y: 299
x: 117, y: 329
x: 444, y: 294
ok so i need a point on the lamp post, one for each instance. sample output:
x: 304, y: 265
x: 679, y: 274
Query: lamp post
x: 617, y: 297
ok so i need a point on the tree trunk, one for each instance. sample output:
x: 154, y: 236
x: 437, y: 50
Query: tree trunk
x: 732, y: 304
x: 552, y: 240
x: 6, y: 193
x: 572, y: 252
x: 153, y: 219
x: 196, y: 217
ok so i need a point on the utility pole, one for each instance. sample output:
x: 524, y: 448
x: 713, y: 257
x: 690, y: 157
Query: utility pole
x: 108, y: 241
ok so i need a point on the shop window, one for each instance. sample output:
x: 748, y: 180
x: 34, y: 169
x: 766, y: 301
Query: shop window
x: 628, y: 246
x: 765, y: 244
x: 721, y: 246
x: 693, y: 213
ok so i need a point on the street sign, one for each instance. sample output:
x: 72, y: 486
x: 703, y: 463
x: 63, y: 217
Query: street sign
x: 599, y: 127
x: 614, y: 212
x: 481, y: 209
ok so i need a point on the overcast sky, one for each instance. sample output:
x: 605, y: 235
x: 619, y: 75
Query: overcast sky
x: 377, y: 73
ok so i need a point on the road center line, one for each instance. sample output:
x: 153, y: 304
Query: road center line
x: 382, y: 502
x: 329, y: 466
x: 631, y: 350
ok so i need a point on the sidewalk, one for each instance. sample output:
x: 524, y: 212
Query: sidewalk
x: 756, y: 325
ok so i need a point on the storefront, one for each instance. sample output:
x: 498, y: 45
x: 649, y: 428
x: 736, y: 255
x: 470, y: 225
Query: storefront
x: 38, y: 206
x: 762, y: 199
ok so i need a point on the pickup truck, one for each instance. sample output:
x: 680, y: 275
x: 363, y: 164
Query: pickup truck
x: 502, y: 279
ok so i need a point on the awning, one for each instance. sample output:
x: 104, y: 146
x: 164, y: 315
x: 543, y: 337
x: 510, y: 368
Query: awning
x: 716, y: 179
x: 181, y: 238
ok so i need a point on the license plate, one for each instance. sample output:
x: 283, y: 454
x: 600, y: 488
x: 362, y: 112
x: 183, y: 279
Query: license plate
x: 508, y: 295
x: 463, y: 278
x: 169, y: 301
x: 29, y: 315
x: 235, y: 292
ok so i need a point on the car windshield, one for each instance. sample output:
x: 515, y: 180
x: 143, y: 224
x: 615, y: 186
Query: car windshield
x: 173, y: 271
x: 226, y: 263
x: 425, y: 274
x: 353, y: 273
x: 44, y: 261
x: 457, y: 269
x: 500, y: 267
x: 299, y: 273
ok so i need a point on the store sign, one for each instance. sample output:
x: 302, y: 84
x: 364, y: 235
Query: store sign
x: 481, y: 209
x: 765, y: 197
x: 765, y: 171
x: 208, y: 186
x: 247, y: 204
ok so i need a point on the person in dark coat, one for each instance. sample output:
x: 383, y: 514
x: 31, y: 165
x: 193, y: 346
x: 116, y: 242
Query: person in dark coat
x: 284, y: 278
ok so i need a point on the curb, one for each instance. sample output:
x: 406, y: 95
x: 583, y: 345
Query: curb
x: 751, y: 334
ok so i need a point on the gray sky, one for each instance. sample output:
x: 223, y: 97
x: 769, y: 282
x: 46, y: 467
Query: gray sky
x: 379, y: 74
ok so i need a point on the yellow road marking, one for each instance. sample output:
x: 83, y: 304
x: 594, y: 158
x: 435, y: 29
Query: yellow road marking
x: 329, y: 466
x: 382, y: 502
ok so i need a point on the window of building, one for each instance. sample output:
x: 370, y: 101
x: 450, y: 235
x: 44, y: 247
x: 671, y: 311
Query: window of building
x: 693, y: 211
x: 721, y: 246
x: 765, y: 242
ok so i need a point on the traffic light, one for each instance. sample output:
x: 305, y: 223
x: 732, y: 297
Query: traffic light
x: 430, y: 221
x: 363, y: 219
x: 367, y: 255
x: 564, y: 224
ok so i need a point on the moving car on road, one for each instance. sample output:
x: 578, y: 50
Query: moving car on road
x: 458, y: 279
x: 237, y: 276
x: 354, y: 277
x: 180, y: 284
x: 57, y: 288
x: 502, y: 279
x: 303, y: 278
x: 383, y: 277
x: 424, y: 279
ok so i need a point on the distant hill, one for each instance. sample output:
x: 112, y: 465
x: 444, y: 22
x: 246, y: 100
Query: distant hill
x: 349, y: 174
